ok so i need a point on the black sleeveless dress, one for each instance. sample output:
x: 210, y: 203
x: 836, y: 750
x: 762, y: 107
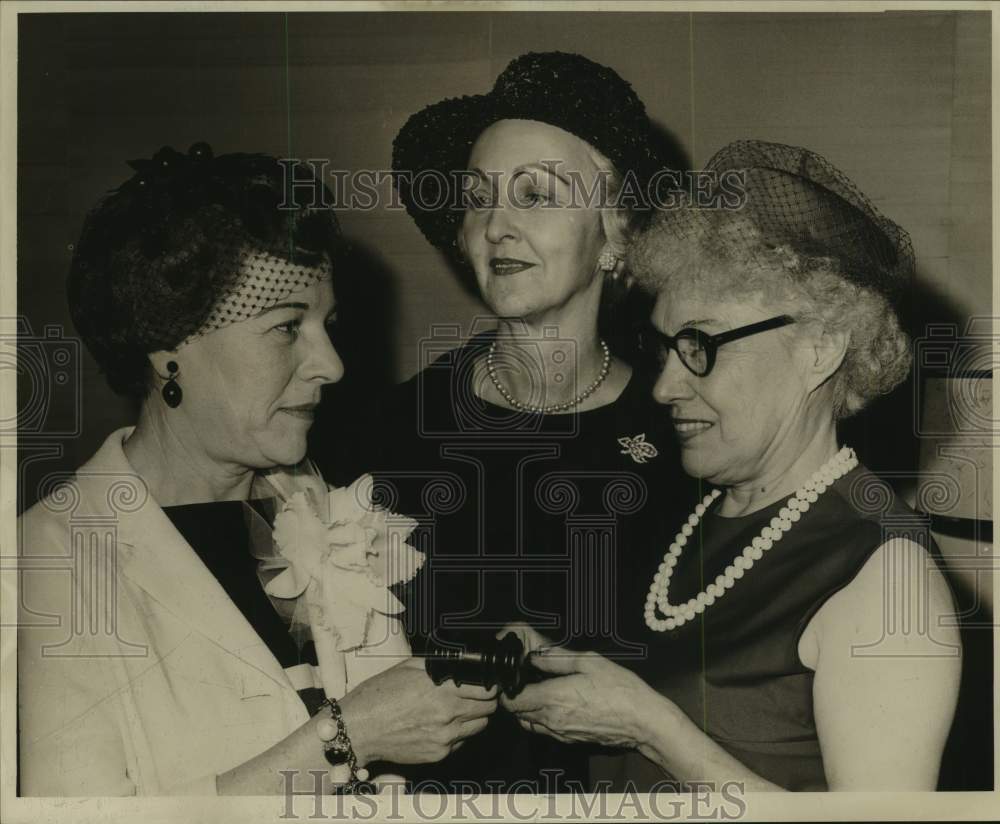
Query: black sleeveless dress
x: 735, y: 669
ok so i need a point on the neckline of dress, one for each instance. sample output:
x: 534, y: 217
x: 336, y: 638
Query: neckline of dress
x: 481, y: 342
x: 229, y: 503
x: 767, y: 512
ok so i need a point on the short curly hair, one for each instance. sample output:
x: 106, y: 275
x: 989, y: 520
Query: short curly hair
x: 156, y: 255
x: 725, y: 254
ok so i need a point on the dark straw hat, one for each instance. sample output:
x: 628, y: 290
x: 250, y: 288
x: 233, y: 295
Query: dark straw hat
x: 564, y: 90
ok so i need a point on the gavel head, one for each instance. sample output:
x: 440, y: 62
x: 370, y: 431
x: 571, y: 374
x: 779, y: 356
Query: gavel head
x: 498, y: 663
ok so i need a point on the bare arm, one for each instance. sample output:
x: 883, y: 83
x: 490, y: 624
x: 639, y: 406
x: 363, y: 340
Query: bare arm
x: 888, y: 662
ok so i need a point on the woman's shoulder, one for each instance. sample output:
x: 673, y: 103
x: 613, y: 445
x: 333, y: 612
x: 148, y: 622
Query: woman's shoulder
x: 859, y: 515
x: 105, y: 485
x: 77, y: 524
x: 438, y: 386
x: 899, y: 602
x: 403, y: 418
x: 448, y: 363
x: 873, y: 545
x: 98, y: 506
x: 868, y: 495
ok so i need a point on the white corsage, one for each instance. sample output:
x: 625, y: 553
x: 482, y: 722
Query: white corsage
x: 338, y: 553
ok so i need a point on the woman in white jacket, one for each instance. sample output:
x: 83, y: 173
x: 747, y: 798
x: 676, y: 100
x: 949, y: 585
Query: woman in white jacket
x: 156, y: 653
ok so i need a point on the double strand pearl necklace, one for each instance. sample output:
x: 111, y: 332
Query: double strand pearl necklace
x: 838, y: 466
x: 554, y: 407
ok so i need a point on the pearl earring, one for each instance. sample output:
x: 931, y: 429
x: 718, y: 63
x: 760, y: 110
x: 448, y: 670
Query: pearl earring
x: 607, y: 260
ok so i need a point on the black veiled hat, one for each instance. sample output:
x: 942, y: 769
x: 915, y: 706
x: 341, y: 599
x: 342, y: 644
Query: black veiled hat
x: 564, y: 90
x: 190, y: 244
x: 792, y: 197
x: 799, y: 198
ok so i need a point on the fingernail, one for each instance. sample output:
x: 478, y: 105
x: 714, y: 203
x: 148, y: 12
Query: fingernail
x: 541, y: 651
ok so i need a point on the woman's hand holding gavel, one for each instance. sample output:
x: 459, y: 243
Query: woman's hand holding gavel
x: 404, y: 717
x: 399, y: 715
x: 583, y: 697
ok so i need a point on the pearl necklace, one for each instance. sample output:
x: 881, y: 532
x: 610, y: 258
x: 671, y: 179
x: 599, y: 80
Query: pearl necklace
x: 838, y: 466
x: 555, y: 407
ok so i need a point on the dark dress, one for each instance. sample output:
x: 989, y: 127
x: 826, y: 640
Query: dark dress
x: 735, y: 670
x: 539, y: 519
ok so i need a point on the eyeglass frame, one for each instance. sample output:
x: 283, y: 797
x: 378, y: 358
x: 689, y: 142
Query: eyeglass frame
x: 711, y: 343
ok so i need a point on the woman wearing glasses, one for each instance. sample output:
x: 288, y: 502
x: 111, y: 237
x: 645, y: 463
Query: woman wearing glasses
x: 798, y: 635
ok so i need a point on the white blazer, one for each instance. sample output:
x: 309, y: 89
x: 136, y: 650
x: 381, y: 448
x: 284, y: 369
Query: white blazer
x: 137, y: 673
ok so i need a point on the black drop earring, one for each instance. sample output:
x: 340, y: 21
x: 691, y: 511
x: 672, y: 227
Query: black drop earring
x: 172, y: 394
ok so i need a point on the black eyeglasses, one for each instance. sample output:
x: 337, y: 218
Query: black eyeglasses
x: 697, y: 349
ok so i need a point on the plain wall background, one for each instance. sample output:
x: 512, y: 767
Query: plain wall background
x: 899, y: 101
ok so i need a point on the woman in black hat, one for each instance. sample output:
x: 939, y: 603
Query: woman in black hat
x: 156, y: 654
x: 532, y: 455
x: 800, y: 633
